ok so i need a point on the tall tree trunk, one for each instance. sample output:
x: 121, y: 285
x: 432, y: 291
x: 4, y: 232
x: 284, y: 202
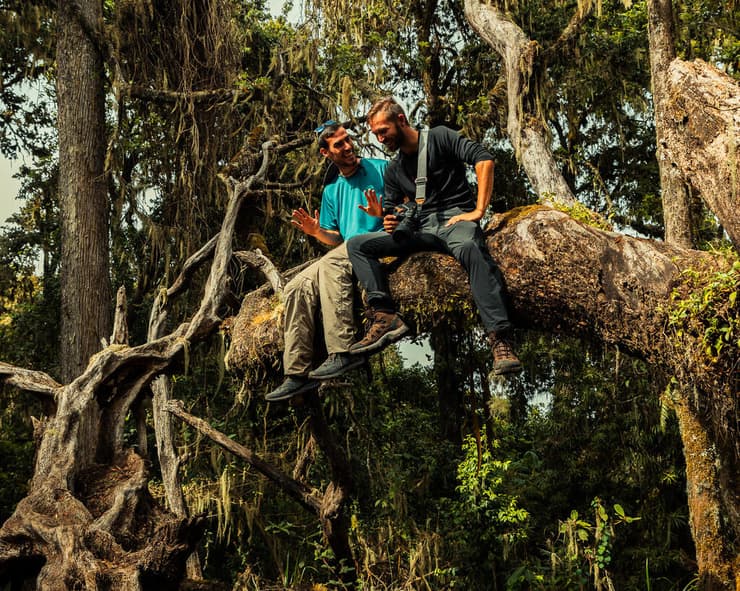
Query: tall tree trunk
x: 673, y: 189
x: 527, y: 131
x: 703, y: 491
x: 85, y: 282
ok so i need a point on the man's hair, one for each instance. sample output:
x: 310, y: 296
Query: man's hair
x: 326, y: 133
x: 387, y: 106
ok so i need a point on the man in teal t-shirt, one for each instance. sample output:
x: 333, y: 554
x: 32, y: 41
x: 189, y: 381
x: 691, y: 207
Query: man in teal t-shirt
x: 327, y: 283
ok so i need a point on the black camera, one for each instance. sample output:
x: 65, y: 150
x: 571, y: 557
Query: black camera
x: 409, y: 220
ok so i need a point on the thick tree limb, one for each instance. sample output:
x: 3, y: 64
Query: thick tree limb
x: 29, y: 380
x: 702, y: 136
x: 526, y: 131
x: 562, y: 276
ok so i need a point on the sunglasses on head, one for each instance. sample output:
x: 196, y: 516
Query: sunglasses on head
x: 324, y: 125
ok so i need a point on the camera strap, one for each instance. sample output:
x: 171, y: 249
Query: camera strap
x: 421, y: 167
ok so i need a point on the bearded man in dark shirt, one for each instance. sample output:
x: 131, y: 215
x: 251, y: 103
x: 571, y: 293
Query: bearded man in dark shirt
x: 445, y: 221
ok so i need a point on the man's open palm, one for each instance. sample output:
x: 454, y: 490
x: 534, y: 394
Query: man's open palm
x: 307, y: 223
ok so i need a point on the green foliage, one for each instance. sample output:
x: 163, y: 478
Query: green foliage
x: 487, y: 507
x: 26, y: 55
x: 16, y: 448
x: 515, y: 502
x: 707, y: 305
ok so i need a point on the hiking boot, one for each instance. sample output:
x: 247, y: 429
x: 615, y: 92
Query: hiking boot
x: 337, y: 364
x: 386, y: 328
x: 504, y: 359
x: 292, y: 386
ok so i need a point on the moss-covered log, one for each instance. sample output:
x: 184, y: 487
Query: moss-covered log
x: 567, y: 277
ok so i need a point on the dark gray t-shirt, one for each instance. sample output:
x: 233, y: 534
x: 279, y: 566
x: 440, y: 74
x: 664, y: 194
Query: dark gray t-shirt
x: 447, y: 186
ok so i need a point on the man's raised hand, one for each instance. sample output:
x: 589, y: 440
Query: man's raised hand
x: 374, y: 205
x: 309, y: 225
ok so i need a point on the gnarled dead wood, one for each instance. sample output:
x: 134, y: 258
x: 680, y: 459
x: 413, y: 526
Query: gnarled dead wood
x: 88, y: 521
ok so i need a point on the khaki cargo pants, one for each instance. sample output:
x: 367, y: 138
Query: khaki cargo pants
x: 326, y: 285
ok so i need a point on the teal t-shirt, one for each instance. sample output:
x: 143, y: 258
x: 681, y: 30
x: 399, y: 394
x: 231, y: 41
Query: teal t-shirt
x: 342, y: 197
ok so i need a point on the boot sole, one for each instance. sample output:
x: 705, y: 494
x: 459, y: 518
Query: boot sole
x: 328, y: 376
x: 307, y: 387
x: 511, y: 368
x: 387, y: 339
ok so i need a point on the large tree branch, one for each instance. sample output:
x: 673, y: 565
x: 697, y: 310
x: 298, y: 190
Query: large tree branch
x: 562, y: 276
x: 29, y: 380
x: 527, y: 132
x: 702, y: 136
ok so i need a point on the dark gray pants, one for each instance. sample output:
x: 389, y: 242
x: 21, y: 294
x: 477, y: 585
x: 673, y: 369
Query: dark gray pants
x: 463, y: 240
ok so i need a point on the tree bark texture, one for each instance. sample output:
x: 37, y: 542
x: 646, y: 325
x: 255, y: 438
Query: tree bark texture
x: 85, y: 282
x: 570, y: 278
x: 702, y: 136
x: 527, y: 131
x: 704, y: 498
x: 674, y: 191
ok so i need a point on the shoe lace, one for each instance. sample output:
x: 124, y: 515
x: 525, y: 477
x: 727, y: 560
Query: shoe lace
x: 377, y: 328
x: 502, y: 348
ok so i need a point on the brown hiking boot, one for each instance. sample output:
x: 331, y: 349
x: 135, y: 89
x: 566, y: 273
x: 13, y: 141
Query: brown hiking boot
x: 386, y: 328
x: 504, y: 359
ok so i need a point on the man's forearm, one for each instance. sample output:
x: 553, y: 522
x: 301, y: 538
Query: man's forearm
x: 328, y: 237
x: 484, y: 173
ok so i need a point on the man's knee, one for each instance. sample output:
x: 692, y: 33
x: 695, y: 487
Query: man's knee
x: 300, y: 285
x: 468, y: 250
x: 354, y: 244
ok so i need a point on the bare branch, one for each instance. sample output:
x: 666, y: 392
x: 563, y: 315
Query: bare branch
x: 298, y: 490
x: 163, y: 299
x: 29, y: 380
x: 219, y: 95
x: 572, y: 28
x: 120, y: 326
x: 255, y: 259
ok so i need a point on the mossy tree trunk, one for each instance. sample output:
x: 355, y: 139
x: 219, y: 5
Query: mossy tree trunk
x: 674, y: 192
